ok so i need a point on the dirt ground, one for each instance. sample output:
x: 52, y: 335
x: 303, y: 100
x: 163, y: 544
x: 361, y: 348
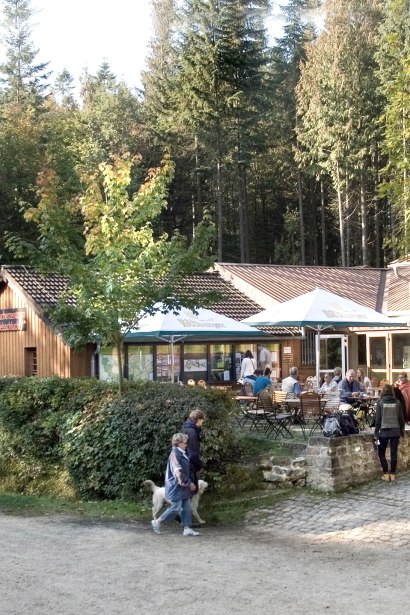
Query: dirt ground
x: 63, y: 566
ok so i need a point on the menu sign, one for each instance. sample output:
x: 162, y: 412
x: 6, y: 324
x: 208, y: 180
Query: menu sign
x: 13, y: 319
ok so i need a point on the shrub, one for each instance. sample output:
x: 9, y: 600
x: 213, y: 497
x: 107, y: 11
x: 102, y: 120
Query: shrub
x: 111, y: 450
x: 105, y: 446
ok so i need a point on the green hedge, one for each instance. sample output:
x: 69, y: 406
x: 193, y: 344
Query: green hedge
x: 102, y: 445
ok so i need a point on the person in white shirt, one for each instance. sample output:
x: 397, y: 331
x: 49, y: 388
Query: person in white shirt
x: 329, y: 385
x: 265, y: 358
x: 291, y: 384
x: 364, y: 380
x: 248, y: 364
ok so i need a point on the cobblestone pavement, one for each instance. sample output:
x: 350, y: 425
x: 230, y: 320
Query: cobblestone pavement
x: 375, y: 513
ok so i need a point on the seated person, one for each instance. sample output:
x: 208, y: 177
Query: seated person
x: 291, y: 385
x: 329, y: 385
x: 364, y: 380
x: 337, y: 374
x: 350, y: 389
x: 252, y: 378
x: 262, y: 382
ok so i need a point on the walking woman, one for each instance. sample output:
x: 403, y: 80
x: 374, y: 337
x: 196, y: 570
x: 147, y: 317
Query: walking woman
x: 248, y: 364
x: 389, y: 427
x: 178, y: 487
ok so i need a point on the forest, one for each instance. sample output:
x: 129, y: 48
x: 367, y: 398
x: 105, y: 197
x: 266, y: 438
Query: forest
x: 295, y: 148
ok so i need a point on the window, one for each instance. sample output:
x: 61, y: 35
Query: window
x: 401, y: 352
x: 195, y: 362
x: 30, y: 362
x: 108, y: 364
x: 140, y: 362
x: 164, y: 363
x: 221, y: 362
x: 308, y: 349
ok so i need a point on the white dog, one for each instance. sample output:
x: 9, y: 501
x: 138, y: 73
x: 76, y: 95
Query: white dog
x: 159, y: 500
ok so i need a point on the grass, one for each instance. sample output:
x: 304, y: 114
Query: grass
x: 215, y: 509
x: 241, y: 491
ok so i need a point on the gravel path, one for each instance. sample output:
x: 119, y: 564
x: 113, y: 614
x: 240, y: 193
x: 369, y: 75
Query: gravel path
x: 307, y: 555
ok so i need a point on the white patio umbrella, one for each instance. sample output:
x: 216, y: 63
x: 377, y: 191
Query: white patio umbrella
x: 319, y: 310
x: 174, y: 326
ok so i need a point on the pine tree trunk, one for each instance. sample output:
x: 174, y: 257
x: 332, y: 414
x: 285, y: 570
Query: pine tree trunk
x: 323, y: 215
x: 219, y: 211
x: 376, y: 210
x: 341, y: 218
x: 198, y: 209
x: 301, y: 219
x: 347, y: 223
x: 364, y: 225
x: 243, y: 218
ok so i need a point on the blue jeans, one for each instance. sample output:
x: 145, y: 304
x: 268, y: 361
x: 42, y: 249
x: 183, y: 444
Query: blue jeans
x: 381, y: 449
x: 179, y: 507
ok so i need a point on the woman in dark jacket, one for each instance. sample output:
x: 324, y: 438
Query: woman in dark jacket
x: 192, y: 427
x: 389, y: 427
x: 178, y: 487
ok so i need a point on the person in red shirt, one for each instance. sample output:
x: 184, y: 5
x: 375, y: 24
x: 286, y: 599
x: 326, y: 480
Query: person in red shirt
x: 404, y: 387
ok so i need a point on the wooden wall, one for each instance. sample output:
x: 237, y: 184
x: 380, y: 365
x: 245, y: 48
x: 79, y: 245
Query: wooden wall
x: 293, y: 359
x: 53, y: 356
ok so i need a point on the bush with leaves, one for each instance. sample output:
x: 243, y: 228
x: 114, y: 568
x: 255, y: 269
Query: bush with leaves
x: 111, y: 450
x: 33, y: 417
x: 104, y: 445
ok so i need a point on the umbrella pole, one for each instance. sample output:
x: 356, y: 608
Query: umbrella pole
x: 318, y: 356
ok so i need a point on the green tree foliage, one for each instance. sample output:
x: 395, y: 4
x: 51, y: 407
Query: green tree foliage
x: 22, y: 126
x: 394, y: 71
x: 282, y: 142
x: 109, y: 122
x: 24, y: 81
x: 120, y: 270
x: 338, y: 106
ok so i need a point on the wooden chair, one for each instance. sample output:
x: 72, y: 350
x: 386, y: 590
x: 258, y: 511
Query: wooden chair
x: 332, y: 403
x: 278, y: 397
x: 311, y: 411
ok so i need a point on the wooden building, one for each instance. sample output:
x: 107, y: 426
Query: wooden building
x: 28, y: 344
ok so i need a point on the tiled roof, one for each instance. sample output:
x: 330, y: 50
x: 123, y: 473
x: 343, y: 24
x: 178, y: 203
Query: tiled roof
x: 233, y: 303
x: 380, y: 289
x: 44, y: 290
x: 398, y: 291
x: 284, y: 282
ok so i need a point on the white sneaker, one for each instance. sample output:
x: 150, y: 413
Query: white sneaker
x: 155, y: 526
x: 189, y: 532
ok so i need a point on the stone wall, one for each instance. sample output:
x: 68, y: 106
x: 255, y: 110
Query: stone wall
x: 336, y: 463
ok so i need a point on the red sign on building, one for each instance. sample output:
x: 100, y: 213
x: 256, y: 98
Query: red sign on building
x: 13, y: 319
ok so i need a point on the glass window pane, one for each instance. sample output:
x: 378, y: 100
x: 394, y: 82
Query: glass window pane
x: 240, y: 350
x: 164, y: 362
x: 195, y: 362
x: 108, y: 364
x: 140, y: 363
x: 221, y: 362
x: 377, y: 353
x: 401, y: 351
x: 330, y: 353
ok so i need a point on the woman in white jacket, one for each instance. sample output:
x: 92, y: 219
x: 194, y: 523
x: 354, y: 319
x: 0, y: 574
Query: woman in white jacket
x: 248, y: 365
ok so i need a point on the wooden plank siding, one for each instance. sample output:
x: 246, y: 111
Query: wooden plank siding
x: 53, y: 357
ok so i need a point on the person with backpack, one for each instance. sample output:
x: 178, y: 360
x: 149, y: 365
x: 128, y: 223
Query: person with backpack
x: 389, y: 426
